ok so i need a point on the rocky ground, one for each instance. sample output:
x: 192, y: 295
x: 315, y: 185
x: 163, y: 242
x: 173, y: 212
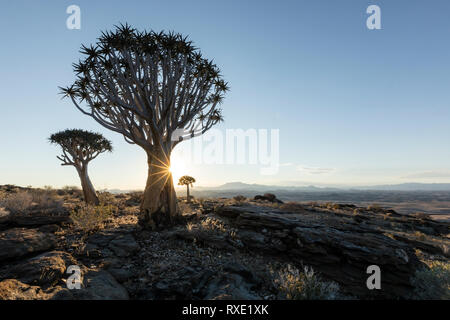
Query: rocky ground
x: 225, y: 249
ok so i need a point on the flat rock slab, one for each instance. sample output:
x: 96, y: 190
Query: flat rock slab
x: 15, y: 221
x: 19, y: 242
x: 342, y: 252
x: 119, y: 243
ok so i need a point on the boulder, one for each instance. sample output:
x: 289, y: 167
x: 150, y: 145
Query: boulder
x: 45, y: 269
x: 19, y: 242
x: 268, y: 197
x: 124, y: 245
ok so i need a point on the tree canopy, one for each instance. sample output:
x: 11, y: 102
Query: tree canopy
x: 186, y: 180
x: 80, y: 145
x: 145, y: 85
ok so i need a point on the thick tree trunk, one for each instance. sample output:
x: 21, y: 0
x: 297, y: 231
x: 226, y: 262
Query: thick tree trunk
x: 188, y: 196
x: 159, y: 205
x: 90, y: 196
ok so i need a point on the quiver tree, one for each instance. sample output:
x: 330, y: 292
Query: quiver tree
x: 79, y: 147
x: 147, y: 86
x: 186, y: 181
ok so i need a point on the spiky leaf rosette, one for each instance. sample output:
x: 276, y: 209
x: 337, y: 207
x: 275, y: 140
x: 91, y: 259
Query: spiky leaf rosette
x: 80, y: 146
x: 145, y: 85
x: 186, y: 180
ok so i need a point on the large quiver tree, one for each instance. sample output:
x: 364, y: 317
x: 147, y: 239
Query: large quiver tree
x: 148, y: 86
x: 79, y: 147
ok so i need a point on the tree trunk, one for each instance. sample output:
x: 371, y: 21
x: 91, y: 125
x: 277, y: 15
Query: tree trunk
x: 90, y: 196
x: 188, y: 196
x: 159, y: 204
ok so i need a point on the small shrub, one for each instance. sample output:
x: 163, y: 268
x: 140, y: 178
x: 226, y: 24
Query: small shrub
x: 239, y: 198
x: 214, y: 224
x: 46, y: 201
x: 390, y: 235
x: 69, y: 190
x: 184, y: 207
x: 17, y: 202
x: 91, y: 218
x: 337, y: 206
x: 419, y: 235
x: 421, y: 215
x: 3, y: 212
x: 306, y: 285
x: 374, y: 207
x: 108, y: 199
x: 211, y: 226
x: 292, y: 207
x: 432, y: 283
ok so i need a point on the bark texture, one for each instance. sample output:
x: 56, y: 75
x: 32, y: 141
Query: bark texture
x: 90, y: 196
x: 159, y: 204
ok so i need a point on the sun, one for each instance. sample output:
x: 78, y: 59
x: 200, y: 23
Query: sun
x: 177, y: 168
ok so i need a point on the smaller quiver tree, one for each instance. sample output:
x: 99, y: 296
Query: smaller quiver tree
x: 186, y: 181
x: 79, y: 147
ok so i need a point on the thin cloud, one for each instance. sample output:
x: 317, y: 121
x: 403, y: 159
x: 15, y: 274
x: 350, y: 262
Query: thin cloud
x: 287, y: 164
x: 428, y: 174
x: 314, y: 170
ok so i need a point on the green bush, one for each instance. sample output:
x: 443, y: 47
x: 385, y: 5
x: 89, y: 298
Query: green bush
x: 91, y: 218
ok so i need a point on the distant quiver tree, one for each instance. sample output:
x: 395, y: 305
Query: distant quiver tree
x: 186, y: 181
x: 79, y: 147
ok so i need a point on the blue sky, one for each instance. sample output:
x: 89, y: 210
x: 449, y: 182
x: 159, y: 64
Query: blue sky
x: 353, y: 106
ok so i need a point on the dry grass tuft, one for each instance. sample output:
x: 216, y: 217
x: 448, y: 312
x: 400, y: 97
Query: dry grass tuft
x: 432, y: 283
x: 17, y: 202
x: 25, y: 202
x: 292, y: 207
x: 306, y: 285
x: 374, y: 207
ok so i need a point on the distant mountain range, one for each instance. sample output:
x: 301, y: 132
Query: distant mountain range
x: 394, y: 187
x: 237, y: 186
x: 240, y: 186
x: 409, y: 187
